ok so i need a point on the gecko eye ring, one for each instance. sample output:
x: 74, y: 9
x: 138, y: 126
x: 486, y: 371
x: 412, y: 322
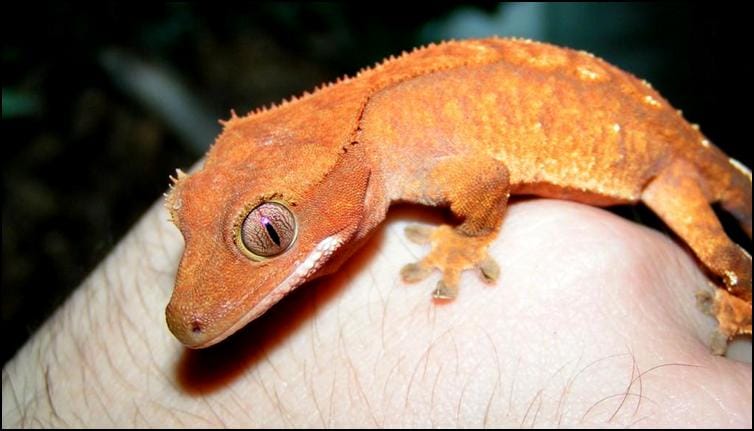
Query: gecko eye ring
x: 267, y: 231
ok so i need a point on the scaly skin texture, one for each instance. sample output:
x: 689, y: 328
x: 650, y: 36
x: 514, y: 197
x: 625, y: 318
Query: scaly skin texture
x: 461, y: 124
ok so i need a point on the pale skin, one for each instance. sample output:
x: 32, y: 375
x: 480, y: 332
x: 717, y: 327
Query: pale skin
x: 590, y: 315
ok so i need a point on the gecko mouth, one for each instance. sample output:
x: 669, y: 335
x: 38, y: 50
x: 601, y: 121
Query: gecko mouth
x: 313, y: 261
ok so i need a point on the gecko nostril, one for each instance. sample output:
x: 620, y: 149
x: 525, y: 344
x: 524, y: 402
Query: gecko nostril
x: 196, y: 326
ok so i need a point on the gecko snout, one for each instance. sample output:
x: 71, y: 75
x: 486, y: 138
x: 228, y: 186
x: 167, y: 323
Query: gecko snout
x: 190, y: 328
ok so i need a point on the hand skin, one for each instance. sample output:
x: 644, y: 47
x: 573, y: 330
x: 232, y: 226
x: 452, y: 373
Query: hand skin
x: 593, y: 322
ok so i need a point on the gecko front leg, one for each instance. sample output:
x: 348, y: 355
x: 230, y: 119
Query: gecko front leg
x: 477, y: 189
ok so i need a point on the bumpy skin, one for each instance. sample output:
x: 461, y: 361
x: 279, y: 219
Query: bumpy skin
x: 464, y: 124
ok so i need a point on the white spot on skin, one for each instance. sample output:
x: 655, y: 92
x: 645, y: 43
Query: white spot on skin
x: 695, y: 126
x: 705, y: 143
x: 587, y: 74
x: 537, y: 125
x: 651, y: 101
x: 732, y: 278
x: 616, y: 127
x: 646, y: 83
x: 480, y: 47
x: 741, y: 168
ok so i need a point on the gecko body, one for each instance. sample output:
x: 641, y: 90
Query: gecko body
x: 288, y: 194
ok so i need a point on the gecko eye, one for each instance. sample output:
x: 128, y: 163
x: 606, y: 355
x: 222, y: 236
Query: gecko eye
x: 267, y: 231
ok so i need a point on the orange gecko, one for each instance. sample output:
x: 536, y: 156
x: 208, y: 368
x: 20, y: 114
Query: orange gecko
x: 287, y: 194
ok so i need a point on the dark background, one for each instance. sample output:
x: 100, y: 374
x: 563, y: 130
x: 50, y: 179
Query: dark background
x: 102, y: 102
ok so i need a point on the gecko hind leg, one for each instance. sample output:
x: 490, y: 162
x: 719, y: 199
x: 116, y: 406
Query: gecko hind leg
x: 676, y: 196
x: 479, y: 198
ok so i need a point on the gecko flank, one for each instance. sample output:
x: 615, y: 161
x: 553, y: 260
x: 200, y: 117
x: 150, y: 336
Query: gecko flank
x: 287, y: 194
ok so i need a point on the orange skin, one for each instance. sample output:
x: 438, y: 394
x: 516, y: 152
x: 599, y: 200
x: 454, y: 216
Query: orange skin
x: 464, y: 124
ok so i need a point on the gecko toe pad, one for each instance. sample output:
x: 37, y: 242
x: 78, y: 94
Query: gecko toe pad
x: 418, y: 233
x: 444, y: 291
x: 490, y: 269
x: 414, y: 272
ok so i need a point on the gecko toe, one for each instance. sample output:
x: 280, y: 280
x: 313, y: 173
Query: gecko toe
x: 414, y: 272
x: 417, y: 233
x: 490, y: 269
x: 705, y: 301
x: 445, y: 291
x: 718, y: 343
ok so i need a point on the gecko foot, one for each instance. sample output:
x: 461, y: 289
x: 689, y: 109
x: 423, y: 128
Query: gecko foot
x: 733, y: 316
x: 451, y: 252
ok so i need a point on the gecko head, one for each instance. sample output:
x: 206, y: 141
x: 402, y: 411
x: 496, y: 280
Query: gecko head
x: 258, y: 222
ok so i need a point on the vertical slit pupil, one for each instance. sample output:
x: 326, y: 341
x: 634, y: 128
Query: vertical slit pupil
x: 271, y: 231
x: 267, y: 231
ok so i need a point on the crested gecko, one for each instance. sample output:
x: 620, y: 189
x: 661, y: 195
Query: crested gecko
x: 288, y: 193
